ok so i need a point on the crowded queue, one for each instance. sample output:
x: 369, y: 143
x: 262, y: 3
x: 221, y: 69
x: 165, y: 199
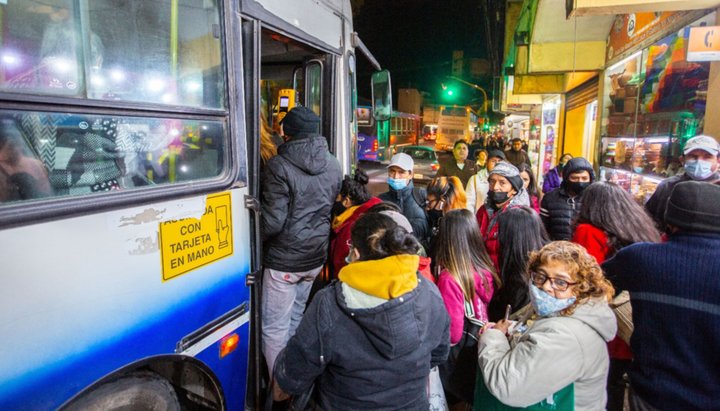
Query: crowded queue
x: 485, y: 292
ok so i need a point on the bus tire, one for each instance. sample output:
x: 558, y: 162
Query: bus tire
x: 137, y: 391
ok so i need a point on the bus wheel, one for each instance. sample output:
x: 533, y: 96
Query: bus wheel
x: 137, y: 391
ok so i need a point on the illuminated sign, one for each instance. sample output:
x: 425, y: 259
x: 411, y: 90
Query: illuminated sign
x: 190, y: 243
x: 704, y: 44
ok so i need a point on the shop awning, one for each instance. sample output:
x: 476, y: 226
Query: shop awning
x: 611, y: 7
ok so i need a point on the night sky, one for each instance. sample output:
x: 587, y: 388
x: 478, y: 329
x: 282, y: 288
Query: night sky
x: 414, y: 39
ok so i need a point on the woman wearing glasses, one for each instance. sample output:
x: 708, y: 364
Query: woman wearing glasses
x: 560, y: 355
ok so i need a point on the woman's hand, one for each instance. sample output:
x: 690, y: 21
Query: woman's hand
x: 501, y: 325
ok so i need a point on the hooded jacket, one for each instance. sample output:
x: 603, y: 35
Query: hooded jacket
x: 369, y: 339
x: 299, y: 187
x: 558, y: 207
x: 553, y: 353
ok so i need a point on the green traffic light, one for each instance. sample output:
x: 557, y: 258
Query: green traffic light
x: 449, y: 92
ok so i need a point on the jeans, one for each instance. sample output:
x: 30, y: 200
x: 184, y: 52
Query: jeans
x: 284, y: 296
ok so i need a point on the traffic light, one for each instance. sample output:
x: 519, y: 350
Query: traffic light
x: 450, y: 92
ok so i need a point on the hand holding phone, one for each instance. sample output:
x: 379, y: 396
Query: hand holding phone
x: 508, y: 309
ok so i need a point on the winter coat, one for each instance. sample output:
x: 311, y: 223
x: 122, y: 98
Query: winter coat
x: 517, y: 158
x: 476, y: 190
x: 300, y: 185
x: 414, y: 212
x: 454, y: 300
x: 369, y: 339
x: 535, y: 203
x: 451, y: 168
x: 552, y: 180
x: 553, y: 353
x: 557, y: 211
x: 341, y: 228
x: 675, y: 295
x: 487, y: 220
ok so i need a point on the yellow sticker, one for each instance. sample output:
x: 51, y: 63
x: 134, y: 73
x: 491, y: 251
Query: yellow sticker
x: 191, y: 243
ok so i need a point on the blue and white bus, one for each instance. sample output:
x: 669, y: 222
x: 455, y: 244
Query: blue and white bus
x: 129, y: 163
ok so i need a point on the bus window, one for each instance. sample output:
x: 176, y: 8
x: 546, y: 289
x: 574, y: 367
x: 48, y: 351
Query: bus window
x: 133, y: 50
x: 313, y: 92
x: 63, y: 154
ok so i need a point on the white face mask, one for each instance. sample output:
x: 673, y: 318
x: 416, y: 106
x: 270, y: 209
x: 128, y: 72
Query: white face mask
x: 698, y: 169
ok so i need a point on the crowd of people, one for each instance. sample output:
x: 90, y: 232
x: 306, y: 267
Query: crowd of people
x: 484, y: 260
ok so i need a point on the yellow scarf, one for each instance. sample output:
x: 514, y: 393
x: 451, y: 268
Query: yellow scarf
x: 387, y: 278
x: 339, y: 220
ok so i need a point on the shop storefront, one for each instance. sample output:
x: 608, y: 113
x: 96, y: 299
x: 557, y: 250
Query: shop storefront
x: 548, y: 135
x: 653, y: 99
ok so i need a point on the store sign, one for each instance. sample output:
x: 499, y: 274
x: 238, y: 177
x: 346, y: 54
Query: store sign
x: 704, y: 44
x: 630, y: 30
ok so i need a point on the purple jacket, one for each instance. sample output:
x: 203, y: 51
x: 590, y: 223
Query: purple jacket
x: 552, y: 180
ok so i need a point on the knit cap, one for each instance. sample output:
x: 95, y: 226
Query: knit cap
x: 496, y: 153
x: 301, y: 122
x: 509, y: 171
x: 694, y: 206
x: 578, y: 164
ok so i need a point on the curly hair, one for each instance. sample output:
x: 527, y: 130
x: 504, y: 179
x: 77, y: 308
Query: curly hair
x: 582, y: 267
x: 355, y: 187
x: 450, y: 190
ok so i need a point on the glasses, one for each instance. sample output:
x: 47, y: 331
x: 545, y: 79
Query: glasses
x: 433, y: 205
x: 557, y: 284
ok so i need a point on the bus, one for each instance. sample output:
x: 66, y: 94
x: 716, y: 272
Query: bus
x: 129, y: 210
x: 455, y: 123
x: 379, y: 140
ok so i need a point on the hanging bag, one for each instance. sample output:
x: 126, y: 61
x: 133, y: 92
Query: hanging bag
x: 458, y: 372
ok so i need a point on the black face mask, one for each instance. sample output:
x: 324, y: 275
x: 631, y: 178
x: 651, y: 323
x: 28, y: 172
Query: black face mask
x: 497, y: 197
x: 434, y: 216
x: 577, y: 187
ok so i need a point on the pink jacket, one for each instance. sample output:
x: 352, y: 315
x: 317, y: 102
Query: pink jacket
x: 455, y: 301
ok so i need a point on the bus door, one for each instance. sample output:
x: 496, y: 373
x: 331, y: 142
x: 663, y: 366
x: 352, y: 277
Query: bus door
x: 277, y: 66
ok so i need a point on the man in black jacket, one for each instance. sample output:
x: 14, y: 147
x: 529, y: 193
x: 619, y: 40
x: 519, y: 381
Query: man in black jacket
x: 560, y: 206
x: 299, y: 188
x: 410, y: 199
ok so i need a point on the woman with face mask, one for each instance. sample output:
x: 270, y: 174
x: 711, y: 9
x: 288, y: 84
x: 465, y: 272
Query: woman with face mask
x: 352, y: 202
x: 557, y: 354
x: 506, y: 191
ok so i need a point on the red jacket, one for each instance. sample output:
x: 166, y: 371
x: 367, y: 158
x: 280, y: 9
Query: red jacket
x: 489, y: 231
x: 595, y: 242
x: 341, y: 235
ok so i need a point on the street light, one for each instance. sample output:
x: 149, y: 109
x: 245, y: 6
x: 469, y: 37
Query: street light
x: 476, y: 87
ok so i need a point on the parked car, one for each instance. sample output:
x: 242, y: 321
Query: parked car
x: 426, y: 162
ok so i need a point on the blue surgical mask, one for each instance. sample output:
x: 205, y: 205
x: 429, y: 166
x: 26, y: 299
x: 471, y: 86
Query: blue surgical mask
x: 545, y: 304
x: 638, y: 169
x: 397, y: 183
x: 698, y: 169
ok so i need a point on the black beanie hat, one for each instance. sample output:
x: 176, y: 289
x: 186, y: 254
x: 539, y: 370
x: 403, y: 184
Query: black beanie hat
x: 496, y: 153
x: 300, y: 122
x: 694, y: 206
x: 578, y: 164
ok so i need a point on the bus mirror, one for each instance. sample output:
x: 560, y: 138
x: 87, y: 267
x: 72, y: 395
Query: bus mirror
x: 381, y: 95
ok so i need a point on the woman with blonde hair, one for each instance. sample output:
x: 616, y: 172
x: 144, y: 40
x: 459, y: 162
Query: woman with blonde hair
x: 268, y: 148
x: 444, y: 194
x: 559, y: 356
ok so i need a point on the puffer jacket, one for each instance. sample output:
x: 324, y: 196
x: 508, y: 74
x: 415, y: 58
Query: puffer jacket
x: 413, y: 211
x: 557, y: 211
x: 299, y: 187
x: 552, y: 354
x: 369, y: 340
x: 558, y: 208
